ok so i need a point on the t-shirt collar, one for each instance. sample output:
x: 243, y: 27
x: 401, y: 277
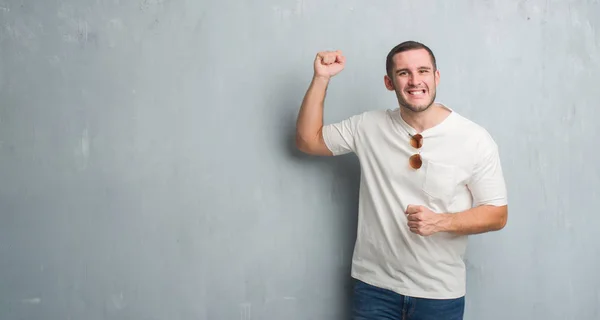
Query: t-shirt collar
x: 412, y: 131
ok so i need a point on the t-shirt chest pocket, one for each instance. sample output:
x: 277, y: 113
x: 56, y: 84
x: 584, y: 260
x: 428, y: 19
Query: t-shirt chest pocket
x: 440, y: 180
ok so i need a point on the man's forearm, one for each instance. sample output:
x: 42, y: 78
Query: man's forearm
x: 473, y: 221
x: 310, y: 116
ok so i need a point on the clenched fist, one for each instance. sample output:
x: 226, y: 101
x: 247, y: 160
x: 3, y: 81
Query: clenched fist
x: 423, y: 221
x: 329, y: 63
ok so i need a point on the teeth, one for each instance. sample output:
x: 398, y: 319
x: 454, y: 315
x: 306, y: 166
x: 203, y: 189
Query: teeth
x: 420, y: 92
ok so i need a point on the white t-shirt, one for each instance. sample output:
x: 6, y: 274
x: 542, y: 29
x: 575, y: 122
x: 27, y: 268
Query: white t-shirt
x: 461, y: 169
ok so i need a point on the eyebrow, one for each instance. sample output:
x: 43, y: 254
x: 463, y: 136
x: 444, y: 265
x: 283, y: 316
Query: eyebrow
x: 419, y: 68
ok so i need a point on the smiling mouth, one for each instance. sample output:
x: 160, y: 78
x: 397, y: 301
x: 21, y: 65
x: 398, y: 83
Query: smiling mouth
x: 416, y: 92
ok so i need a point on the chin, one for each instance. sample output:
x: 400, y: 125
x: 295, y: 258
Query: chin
x: 420, y: 107
x: 417, y: 106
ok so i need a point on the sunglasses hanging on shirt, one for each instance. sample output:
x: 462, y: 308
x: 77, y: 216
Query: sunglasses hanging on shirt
x: 416, y: 141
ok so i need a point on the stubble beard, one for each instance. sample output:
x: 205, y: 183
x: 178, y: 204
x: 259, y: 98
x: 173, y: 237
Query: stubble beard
x: 416, y: 108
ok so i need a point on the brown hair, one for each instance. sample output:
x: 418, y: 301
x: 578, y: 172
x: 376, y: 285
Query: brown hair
x: 406, y: 46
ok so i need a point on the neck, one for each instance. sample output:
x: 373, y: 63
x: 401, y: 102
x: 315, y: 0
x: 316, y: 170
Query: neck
x: 424, y: 120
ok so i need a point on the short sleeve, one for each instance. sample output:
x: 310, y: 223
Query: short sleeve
x: 487, y: 184
x: 340, y: 137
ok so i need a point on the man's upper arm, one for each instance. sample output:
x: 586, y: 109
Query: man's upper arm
x: 487, y: 184
x: 340, y: 137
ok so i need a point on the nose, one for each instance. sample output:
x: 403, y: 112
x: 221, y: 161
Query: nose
x: 414, y: 80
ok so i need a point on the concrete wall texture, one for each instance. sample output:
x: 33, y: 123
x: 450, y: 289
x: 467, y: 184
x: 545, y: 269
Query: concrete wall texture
x: 147, y: 165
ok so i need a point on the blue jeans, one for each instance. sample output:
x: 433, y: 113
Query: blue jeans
x: 373, y: 303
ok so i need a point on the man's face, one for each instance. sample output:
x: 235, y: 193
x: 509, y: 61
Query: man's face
x: 414, y: 79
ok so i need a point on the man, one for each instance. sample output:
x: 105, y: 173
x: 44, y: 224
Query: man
x: 429, y: 178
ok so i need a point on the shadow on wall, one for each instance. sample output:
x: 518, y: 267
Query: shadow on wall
x: 344, y: 178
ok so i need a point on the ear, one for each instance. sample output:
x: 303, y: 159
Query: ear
x: 388, y: 83
x: 437, y: 77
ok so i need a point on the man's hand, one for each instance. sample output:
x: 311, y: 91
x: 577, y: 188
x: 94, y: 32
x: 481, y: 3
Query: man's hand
x: 423, y: 221
x: 329, y: 63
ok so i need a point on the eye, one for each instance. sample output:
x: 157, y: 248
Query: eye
x: 424, y: 71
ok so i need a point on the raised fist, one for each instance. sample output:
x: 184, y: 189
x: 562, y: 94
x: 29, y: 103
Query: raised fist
x: 329, y: 63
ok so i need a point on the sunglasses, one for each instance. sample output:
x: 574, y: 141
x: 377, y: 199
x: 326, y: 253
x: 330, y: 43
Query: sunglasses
x: 416, y: 142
